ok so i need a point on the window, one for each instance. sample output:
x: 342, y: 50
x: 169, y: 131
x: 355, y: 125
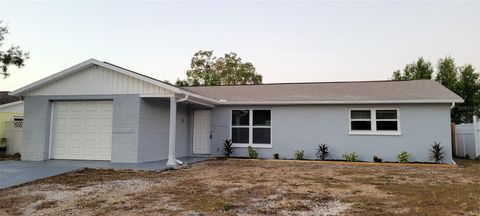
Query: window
x: 251, y: 127
x: 374, y: 121
x: 17, y: 118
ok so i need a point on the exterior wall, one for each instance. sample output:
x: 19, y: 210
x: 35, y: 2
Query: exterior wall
x: 153, y: 135
x: 183, y: 146
x: 125, y: 129
x: 5, y: 117
x: 101, y: 81
x: 154, y: 130
x: 306, y: 126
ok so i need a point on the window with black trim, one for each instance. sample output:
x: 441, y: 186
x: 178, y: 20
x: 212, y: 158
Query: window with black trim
x: 374, y: 121
x: 251, y: 127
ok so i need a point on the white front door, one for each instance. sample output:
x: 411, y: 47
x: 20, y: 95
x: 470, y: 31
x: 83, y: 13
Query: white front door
x: 202, y: 130
x: 82, y: 130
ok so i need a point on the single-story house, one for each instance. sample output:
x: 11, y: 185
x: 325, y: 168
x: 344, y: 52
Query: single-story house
x: 99, y: 111
x: 11, y: 123
x: 11, y: 108
x: 10, y: 112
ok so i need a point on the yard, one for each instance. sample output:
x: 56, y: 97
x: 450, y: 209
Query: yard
x: 245, y: 187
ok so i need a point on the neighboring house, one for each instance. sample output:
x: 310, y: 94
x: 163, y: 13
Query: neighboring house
x: 9, y: 112
x: 11, y: 124
x: 99, y: 111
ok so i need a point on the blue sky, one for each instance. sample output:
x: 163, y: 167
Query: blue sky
x: 286, y: 41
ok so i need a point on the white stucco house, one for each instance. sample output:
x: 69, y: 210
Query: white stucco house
x: 99, y: 111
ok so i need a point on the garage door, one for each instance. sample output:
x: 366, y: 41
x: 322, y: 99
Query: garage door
x: 82, y: 130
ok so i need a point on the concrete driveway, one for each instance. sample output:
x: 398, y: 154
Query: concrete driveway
x: 18, y: 172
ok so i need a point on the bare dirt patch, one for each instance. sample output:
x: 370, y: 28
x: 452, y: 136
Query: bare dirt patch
x: 245, y: 187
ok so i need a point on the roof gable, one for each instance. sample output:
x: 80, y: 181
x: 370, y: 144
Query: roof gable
x: 93, y: 77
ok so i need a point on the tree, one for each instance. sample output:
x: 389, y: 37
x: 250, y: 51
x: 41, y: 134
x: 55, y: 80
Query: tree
x: 206, y: 69
x: 469, y: 89
x: 464, y: 81
x: 447, y: 73
x: 420, y: 69
x: 11, y: 56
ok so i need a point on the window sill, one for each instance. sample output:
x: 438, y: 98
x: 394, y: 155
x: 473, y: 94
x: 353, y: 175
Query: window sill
x: 376, y: 133
x: 265, y: 146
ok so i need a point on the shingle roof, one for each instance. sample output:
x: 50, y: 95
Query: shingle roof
x: 415, y: 91
x: 5, y: 98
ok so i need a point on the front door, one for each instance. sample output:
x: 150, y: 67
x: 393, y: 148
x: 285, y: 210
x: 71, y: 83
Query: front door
x: 202, y: 131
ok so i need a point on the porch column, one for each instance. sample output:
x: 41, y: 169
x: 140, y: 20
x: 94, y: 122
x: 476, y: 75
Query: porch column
x: 172, y: 132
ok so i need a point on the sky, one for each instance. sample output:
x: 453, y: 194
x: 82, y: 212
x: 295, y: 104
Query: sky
x: 285, y: 41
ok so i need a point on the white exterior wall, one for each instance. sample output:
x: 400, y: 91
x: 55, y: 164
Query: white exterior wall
x: 97, y: 80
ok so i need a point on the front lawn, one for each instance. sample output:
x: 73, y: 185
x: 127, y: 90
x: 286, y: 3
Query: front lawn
x: 231, y: 187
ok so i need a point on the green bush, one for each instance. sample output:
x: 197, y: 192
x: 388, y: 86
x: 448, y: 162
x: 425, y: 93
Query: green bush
x: 403, y: 157
x: 377, y: 159
x: 252, y: 153
x: 227, y: 148
x: 322, y: 151
x: 227, y: 206
x: 299, y: 154
x: 350, y: 157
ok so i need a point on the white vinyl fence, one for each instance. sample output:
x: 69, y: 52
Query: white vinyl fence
x: 14, y: 135
x: 468, y: 139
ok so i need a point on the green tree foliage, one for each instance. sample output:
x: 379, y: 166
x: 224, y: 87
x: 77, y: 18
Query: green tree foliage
x: 420, y: 69
x: 206, y: 69
x: 464, y: 81
x: 11, y: 56
x: 468, y: 87
x: 447, y: 72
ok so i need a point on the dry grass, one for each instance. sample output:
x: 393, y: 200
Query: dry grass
x: 244, y: 187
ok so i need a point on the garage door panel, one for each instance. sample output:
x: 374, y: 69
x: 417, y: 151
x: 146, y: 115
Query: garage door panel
x: 82, y: 130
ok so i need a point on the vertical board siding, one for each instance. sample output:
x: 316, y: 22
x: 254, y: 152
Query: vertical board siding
x: 98, y: 80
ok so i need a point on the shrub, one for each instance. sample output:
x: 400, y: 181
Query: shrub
x: 350, y: 157
x: 377, y: 159
x: 299, y: 154
x: 437, y: 153
x: 227, y: 206
x: 227, y: 148
x: 322, y: 151
x: 276, y: 156
x: 403, y: 157
x: 252, y: 153
x: 467, y: 156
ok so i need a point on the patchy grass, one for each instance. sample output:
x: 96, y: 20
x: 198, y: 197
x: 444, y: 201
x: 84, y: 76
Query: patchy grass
x: 252, y: 187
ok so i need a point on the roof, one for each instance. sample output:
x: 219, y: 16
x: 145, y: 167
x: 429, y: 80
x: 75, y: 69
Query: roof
x: 16, y: 106
x: 363, y: 92
x: 415, y: 91
x: 6, y: 98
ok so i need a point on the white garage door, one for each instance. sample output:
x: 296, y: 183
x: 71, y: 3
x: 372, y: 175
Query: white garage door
x: 82, y: 130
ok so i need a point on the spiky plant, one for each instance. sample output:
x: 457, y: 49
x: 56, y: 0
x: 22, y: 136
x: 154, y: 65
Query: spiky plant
x: 322, y: 151
x: 227, y: 148
x: 437, y: 153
